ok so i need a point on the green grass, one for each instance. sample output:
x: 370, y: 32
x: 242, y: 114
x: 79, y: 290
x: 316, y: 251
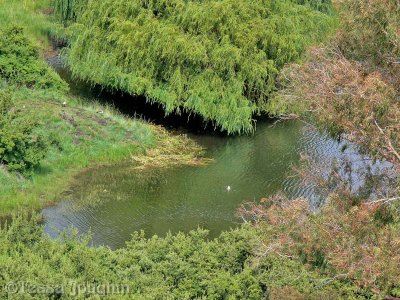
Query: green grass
x: 81, y: 134
x: 84, y: 135
x: 30, y: 14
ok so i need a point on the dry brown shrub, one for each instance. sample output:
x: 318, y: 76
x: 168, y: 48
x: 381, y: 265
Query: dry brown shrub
x: 352, y: 84
x: 351, y: 88
x: 345, y: 99
x: 370, y: 31
x: 360, y: 243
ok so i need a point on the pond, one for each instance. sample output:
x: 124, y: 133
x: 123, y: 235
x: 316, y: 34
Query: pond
x: 114, y: 201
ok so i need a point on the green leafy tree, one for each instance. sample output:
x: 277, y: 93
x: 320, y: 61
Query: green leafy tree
x: 218, y: 59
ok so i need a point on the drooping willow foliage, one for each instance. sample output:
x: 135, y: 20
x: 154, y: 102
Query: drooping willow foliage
x: 321, y: 5
x: 215, y: 58
x: 68, y: 10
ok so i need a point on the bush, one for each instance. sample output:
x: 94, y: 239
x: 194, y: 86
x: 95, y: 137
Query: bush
x: 344, y: 99
x: 174, y: 267
x: 20, y: 149
x: 20, y: 62
x: 182, y: 266
x: 217, y: 59
x: 351, y: 86
x: 321, y: 5
x: 353, y: 242
x: 371, y: 31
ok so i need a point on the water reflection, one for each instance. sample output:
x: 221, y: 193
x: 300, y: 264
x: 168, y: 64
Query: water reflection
x: 115, y: 201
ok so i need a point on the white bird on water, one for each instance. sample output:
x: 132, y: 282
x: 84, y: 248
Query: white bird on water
x: 228, y: 188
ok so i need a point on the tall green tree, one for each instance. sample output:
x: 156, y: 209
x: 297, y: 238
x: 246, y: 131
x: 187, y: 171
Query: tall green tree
x: 218, y: 59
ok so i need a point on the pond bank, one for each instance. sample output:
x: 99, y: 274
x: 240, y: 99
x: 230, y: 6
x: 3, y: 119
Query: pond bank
x: 85, y: 135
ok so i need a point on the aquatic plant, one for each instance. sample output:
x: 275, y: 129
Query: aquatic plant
x: 218, y: 59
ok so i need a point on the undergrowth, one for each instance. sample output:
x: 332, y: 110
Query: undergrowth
x: 182, y: 266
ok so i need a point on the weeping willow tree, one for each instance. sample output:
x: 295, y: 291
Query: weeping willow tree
x: 215, y: 58
x: 68, y: 10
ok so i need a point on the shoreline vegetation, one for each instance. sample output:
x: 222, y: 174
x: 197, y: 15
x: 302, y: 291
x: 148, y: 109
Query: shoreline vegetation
x: 217, y: 59
x: 348, y: 86
x: 73, y: 135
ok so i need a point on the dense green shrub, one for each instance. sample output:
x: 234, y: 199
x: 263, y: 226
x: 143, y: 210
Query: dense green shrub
x: 183, y: 266
x: 321, y: 5
x: 214, y: 58
x: 20, y: 149
x: 20, y: 62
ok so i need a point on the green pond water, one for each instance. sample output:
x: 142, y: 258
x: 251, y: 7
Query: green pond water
x: 112, y: 202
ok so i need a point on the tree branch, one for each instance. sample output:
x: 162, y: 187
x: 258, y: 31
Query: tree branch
x: 390, y: 145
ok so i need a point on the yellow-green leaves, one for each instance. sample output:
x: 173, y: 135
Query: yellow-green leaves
x: 218, y: 59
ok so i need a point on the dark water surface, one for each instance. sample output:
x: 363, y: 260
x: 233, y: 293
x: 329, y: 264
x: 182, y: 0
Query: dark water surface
x: 113, y: 202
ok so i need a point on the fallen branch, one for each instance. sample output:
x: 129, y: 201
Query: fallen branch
x: 385, y: 200
x: 390, y: 145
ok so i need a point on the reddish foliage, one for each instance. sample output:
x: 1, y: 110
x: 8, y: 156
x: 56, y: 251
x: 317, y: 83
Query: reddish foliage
x: 357, y: 242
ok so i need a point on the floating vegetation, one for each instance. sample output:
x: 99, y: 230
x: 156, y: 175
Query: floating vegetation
x: 171, y: 151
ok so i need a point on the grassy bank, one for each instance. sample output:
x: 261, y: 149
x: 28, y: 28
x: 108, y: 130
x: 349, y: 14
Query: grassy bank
x: 81, y: 136
x: 46, y: 136
x: 32, y: 15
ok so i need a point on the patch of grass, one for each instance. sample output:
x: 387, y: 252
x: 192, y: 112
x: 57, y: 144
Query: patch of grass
x: 30, y: 14
x: 82, y: 136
